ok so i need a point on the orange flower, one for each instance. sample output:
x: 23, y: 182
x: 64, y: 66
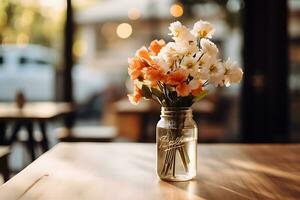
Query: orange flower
x: 183, y: 89
x: 136, y: 97
x: 143, y: 54
x: 135, y: 67
x: 196, y: 86
x: 154, y: 74
x: 156, y: 45
x: 197, y: 91
x: 177, y: 77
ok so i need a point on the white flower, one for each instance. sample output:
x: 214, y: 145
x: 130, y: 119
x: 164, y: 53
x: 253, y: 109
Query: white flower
x: 233, y: 73
x: 176, y: 28
x: 214, y: 73
x: 206, y: 60
x: 165, y: 66
x: 209, y: 47
x: 186, y: 36
x: 169, y: 53
x: 190, y: 63
x: 203, y: 29
x: 181, y: 33
x: 184, y: 47
x: 204, y: 74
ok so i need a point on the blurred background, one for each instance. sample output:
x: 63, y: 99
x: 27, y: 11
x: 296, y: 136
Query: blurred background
x: 76, y: 52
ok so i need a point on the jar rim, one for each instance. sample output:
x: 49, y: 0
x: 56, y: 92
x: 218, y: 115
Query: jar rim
x: 175, y: 108
x: 176, y: 111
x: 169, y: 110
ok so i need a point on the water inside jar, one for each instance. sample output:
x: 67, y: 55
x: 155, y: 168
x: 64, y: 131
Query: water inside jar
x: 176, y: 153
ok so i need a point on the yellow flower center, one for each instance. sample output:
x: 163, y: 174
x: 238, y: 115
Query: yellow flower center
x: 203, y: 33
x: 189, y: 65
x: 213, y: 69
x: 177, y: 32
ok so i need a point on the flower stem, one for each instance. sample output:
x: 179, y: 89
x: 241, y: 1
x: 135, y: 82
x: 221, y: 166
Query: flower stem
x: 174, y: 160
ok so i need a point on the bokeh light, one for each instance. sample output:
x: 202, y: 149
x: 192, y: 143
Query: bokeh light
x: 124, y: 30
x: 176, y: 10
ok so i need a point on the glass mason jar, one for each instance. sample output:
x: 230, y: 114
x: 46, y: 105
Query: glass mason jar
x: 176, y: 141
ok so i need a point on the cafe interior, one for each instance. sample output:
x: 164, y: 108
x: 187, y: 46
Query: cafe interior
x: 69, y: 131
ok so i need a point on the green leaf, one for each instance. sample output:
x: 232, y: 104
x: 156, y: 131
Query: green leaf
x: 160, y: 96
x: 201, y: 96
x: 164, y: 103
x: 184, y: 101
x: 173, y: 95
x: 146, y: 93
x: 158, y: 93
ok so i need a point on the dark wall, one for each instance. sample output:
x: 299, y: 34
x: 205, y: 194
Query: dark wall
x: 265, y: 91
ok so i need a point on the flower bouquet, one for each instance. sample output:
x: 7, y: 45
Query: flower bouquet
x: 176, y: 75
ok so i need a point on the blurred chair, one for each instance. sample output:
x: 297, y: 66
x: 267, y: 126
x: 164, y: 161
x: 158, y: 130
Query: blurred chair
x: 4, y: 170
x: 23, y: 138
x: 23, y: 131
x: 87, y: 134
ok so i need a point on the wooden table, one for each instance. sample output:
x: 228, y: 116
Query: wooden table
x: 33, y: 110
x: 127, y: 171
x: 39, y: 112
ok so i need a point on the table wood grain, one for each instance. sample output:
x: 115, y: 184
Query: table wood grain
x: 127, y: 171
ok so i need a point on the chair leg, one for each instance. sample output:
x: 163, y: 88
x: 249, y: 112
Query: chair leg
x: 2, y: 133
x: 4, y: 167
x: 16, y: 128
x: 31, y: 141
x: 45, y: 142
